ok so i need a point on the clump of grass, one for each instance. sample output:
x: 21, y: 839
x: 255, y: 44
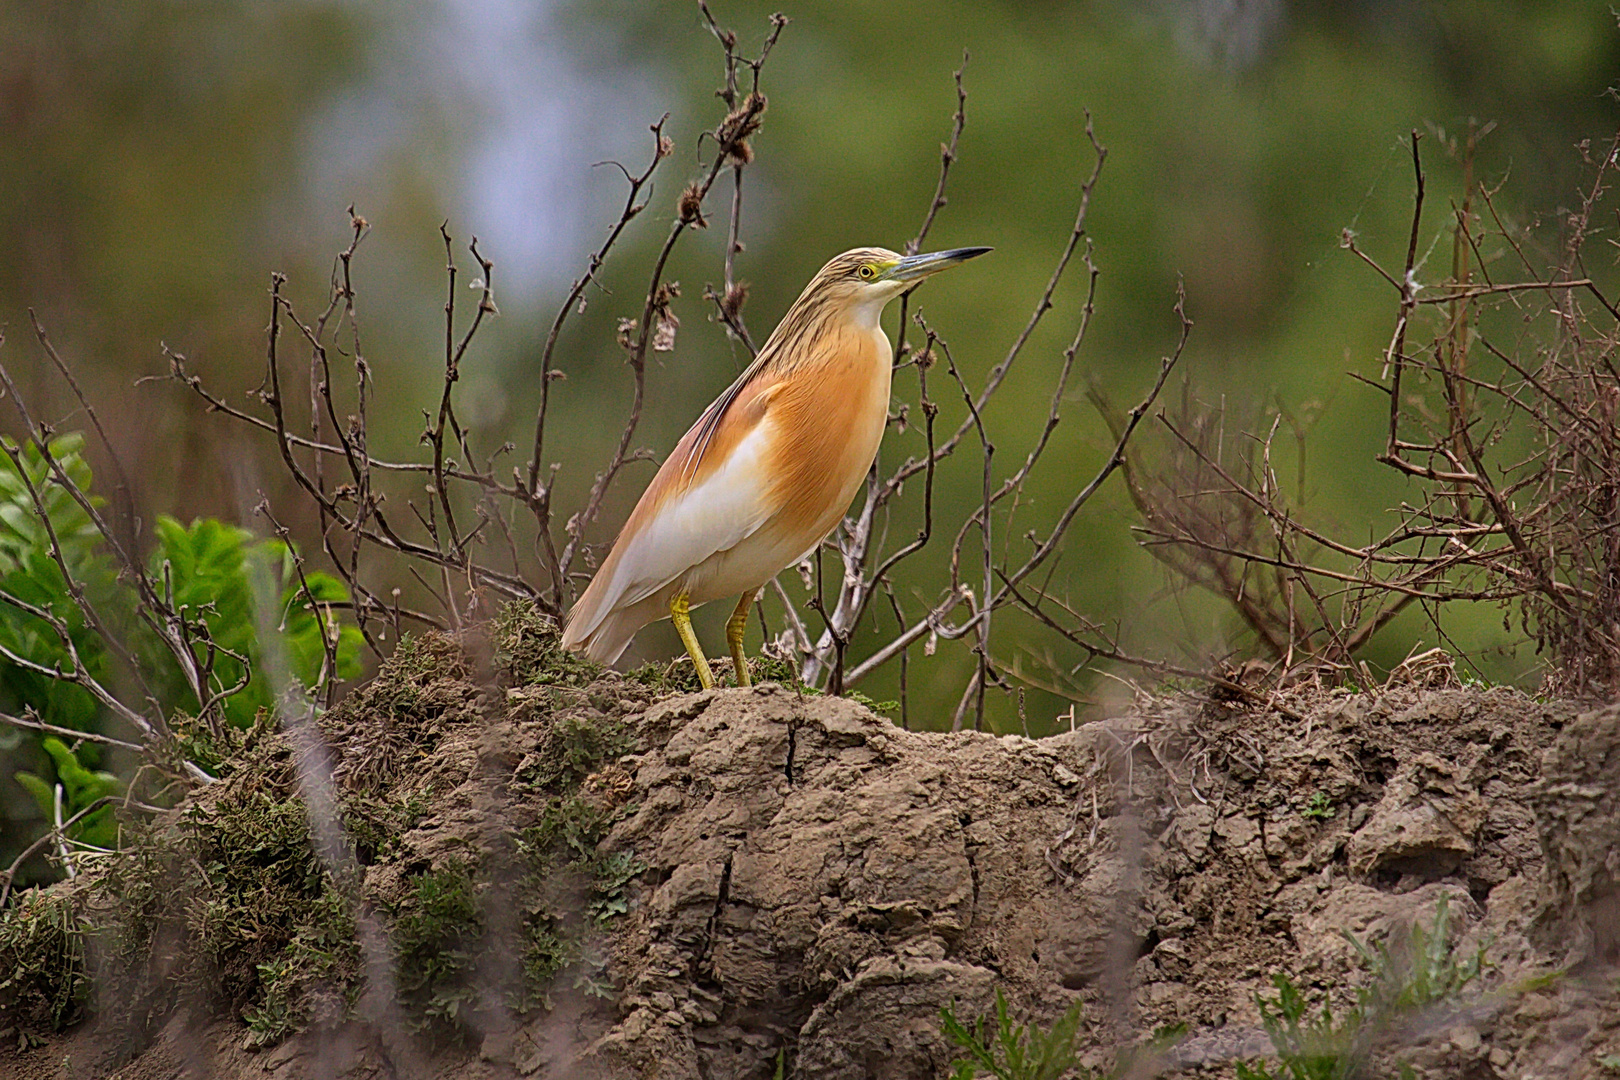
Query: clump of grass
x: 1001, y: 1048
x: 676, y: 678
x: 1310, y: 1045
x: 229, y: 900
x: 576, y: 890
x: 680, y: 677
x: 218, y: 749
x: 424, y: 688
x: 261, y: 880
x: 1424, y: 969
x: 374, y: 825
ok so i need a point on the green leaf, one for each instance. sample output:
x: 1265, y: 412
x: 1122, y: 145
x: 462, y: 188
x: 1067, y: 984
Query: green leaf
x: 44, y: 794
x: 1011, y: 1051
x: 30, y: 574
x: 212, y: 569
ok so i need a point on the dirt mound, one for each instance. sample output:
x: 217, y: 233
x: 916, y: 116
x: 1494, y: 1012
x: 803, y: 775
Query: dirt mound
x: 556, y: 872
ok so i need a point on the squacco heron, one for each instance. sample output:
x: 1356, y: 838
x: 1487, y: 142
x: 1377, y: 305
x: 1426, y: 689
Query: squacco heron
x: 768, y: 469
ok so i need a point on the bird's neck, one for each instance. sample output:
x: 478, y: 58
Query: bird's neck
x: 868, y: 314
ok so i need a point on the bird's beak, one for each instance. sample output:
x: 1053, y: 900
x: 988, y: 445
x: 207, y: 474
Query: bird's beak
x: 917, y: 267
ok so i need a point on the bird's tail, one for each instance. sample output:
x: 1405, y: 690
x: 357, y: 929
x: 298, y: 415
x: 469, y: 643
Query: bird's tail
x: 602, y: 636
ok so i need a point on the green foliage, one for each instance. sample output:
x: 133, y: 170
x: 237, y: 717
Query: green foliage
x: 80, y: 788
x: 1315, y: 1045
x: 234, y: 896
x: 529, y: 650
x: 680, y: 677
x: 44, y: 981
x: 573, y: 747
x: 374, y: 825
x: 30, y: 574
x: 212, y: 573
x: 261, y: 879
x: 565, y: 862
x: 872, y: 703
x: 268, y: 923
x: 322, y: 953
x: 435, y: 941
x: 219, y: 750
x: 998, y: 1047
x: 143, y: 885
x: 274, y: 1018
x: 215, y: 571
x: 1319, y: 807
x: 1309, y: 1045
x: 613, y: 874
x: 1424, y: 970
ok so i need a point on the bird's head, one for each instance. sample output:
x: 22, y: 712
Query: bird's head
x: 865, y: 279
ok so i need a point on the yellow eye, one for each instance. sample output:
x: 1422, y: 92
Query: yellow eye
x: 867, y: 272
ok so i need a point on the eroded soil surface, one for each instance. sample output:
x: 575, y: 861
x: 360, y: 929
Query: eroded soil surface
x: 777, y: 880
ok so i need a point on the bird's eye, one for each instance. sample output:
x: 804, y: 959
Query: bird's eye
x: 867, y: 272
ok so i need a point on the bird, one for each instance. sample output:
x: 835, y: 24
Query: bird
x: 768, y: 469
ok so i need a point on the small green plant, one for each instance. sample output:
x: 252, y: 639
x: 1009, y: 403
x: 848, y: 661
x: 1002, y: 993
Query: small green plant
x: 1319, y: 807
x: 1422, y: 970
x: 591, y: 973
x: 871, y: 703
x: 435, y: 941
x: 1000, y: 1048
x: 1310, y: 1045
x: 614, y: 872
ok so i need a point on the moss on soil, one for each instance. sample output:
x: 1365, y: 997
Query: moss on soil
x: 226, y: 899
x: 44, y: 981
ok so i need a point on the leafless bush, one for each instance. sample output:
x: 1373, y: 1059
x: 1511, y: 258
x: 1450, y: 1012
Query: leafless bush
x: 472, y: 533
x: 1504, y: 416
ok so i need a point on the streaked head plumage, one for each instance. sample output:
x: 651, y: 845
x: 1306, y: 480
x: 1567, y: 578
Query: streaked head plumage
x: 866, y: 275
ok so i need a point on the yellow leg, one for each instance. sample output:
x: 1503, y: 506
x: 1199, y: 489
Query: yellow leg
x: 734, y: 635
x: 680, y: 612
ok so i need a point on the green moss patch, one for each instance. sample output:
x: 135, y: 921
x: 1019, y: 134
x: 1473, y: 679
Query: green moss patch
x: 44, y: 981
x: 473, y: 796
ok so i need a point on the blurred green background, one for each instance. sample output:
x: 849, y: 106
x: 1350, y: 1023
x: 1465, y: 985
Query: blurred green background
x: 159, y: 160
